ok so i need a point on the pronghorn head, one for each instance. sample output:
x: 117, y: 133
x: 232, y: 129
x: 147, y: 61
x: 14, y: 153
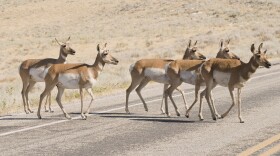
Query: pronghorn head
x: 260, y: 56
x: 65, y: 47
x: 105, y: 55
x: 225, y: 53
x: 192, y: 54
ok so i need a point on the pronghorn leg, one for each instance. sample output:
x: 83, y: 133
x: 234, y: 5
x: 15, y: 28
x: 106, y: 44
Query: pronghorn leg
x: 50, y: 102
x: 30, y: 86
x: 239, y: 105
x: 134, y: 83
x: 82, y: 104
x: 48, y: 99
x: 202, y: 95
x: 212, y: 101
x: 138, y: 91
x: 197, y: 88
x: 48, y: 88
x: 170, y: 92
x: 184, y: 98
x: 233, y: 102
x: 209, y: 101
x: 92, y: 98
x: 23, y: 91
x: 46, y: 103
x: 58, y: 99
x: 161, y: 108
x: 166, y: 103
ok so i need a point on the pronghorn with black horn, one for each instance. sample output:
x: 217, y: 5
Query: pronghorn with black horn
x: 76, y: 76
x: 34, y: 70
x: 232, y: 74
x: 180, y: 71
x: 146, y: 70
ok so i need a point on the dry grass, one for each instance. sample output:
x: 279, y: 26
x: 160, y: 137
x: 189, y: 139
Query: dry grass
x: 133, y: 29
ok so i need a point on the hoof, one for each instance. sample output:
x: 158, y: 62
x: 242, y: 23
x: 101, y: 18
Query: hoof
x: 68, y: 117
x: 51, y: 111
x: 242, y: 121
x: 31, y: 111
x: 218, y: 116
x: 46, y: 110
x: 127, y: 111
x: 201, y: 119
x: 187, y: 115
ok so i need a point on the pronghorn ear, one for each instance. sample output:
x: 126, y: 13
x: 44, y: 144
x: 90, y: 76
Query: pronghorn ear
x: 98, y: 49
x: 195, y: 43
x: 57, y: 42
x: 260, y: 46
x: 222, y: 43
x: 105, y: 45
x: 68, y: 38
x: 265, y: 51
x: 190, y: 42
x: 253, y: 48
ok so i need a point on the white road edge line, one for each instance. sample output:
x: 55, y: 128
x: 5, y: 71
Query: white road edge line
x: 110, y: 110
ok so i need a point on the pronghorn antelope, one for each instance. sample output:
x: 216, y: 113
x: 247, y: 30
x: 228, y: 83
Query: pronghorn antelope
x: 76, y: 76
x: 34, y: 70
x: 180, y: 71
x: 146, y: 70
x: 231, y: 74
x: 224, y: 53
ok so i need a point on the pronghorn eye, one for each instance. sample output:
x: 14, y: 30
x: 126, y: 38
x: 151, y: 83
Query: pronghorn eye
x: 64, y: 45
x: 105, y: 54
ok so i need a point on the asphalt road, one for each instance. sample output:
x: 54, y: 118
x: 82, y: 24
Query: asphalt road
x: 109, y: 131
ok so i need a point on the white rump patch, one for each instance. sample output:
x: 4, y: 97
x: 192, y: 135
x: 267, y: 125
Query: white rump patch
x: 222, y: 78
x: 156, y: 74
x: 39, y: 74
x: 69, y: 80
x: 188, y: 77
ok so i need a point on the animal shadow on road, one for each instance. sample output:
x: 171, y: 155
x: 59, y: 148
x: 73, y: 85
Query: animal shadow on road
x: 145, y: 118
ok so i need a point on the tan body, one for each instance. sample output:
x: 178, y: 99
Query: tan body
x: 231, y: 74
x: 187, y: 71
x: 146, y: 70
x: 34, y: 70
x: 75, y: 76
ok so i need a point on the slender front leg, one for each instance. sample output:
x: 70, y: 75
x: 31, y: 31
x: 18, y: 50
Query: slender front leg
x: 82, y: 105
x: 197, y: 88
x: 166, y: 103
x: 138, y: 91
x: 230, y: 88
x: 164, y: 88
x: 58, y: 99
x: 239, y: 105
x: 169, y: 92
x: 184, y: 98
x: 50, y: 103
x: 92, y: 98
x: 208, y: 98
x: 46, y: 103
x: 202, y: 95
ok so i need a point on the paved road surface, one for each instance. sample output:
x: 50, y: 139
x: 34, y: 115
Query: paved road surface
x: 109, y: 131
